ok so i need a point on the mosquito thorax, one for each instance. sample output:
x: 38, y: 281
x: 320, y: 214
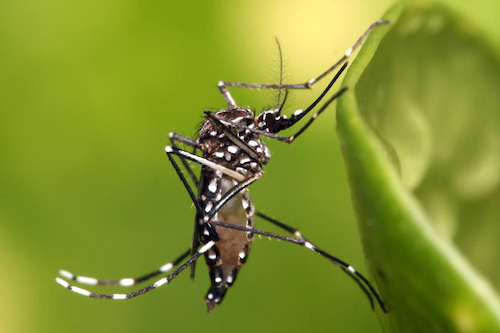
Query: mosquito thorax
x: 219, y: 148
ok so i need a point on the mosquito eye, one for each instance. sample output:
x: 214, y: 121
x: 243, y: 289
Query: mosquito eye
x: 272, y: 124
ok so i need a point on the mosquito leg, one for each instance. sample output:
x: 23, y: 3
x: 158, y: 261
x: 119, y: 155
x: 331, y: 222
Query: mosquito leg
x: 299, y: 235
x: 306, y: 85
x: 179, y: 138
x: 174, y: 138
x: 282, y: 225
x: 142, y: 291
x: 170, y: 150
x: 362, y: 281
x: 125, y: 282
x: 181, y: 153
x: 203, y: 161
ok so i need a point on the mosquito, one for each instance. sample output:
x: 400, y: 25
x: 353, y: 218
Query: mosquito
x: 231, y: 154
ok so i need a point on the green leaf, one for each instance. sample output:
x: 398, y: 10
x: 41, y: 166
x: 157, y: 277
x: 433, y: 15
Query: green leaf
x: 420, y: 135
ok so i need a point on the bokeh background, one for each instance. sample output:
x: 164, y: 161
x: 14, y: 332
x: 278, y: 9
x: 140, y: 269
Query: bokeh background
x: 88, y: 93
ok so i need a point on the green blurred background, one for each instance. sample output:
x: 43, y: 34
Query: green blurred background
x: 89, y: 91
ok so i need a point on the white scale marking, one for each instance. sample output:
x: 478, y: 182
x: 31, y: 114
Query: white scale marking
x: 119, y: 296
x: 242, y: 255
x: 86, y: 280
x: 66, y: 274
x: 209, y: 206
x: 253, y: 143
x: 351, y: 269
x: 233, y: 149
x: 299, y: 111
x: 241, y: 170
x: 127, y: 282
x: 245, y: 203
x: 212, y: 255
x: 210, y: 164
x: 62, y: 282
x: 80, y: 291
x: 244, y: 160
x: 166, y: 267
x: 219, y: 154
x: 218, y: 279
x: 266, y: 152
x: 229, y: 279
x: 309, y: 245
x: 348, y: 52
x: 160, y: 283
x: 212, y: 186
x: 206, y: 247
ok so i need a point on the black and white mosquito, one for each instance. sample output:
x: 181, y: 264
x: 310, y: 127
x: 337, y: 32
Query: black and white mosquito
x: 232, y: 156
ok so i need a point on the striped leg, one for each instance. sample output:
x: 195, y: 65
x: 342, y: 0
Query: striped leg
x: 299, y: 235
x: 282, y: 225
x: 174, y: 138
x: 362, y: 281
x: 203, y: 161
x: 124, y: 282
x: 306, y: 85
x: 142, y: 291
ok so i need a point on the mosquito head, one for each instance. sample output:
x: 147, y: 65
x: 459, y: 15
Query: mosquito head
x: 270, y: 121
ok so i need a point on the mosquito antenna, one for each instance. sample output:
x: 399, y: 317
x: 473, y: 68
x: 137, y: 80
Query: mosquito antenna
x: 280, y: 52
